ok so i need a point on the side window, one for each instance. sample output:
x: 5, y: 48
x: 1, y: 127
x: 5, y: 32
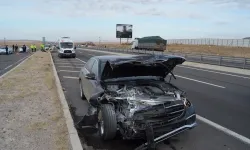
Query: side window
x: 95, y: 68
x: 89, y: 64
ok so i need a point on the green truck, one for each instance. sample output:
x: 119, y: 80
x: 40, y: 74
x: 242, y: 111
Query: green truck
x: 154, y: 43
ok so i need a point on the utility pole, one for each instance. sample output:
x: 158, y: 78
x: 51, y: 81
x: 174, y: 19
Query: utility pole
x: 99, y: 40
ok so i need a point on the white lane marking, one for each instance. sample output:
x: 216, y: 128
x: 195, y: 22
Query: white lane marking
x: 68, y: 63
x: 68, y: 77
x: 75, y: 61
x: 68, y: 67
x: 216, y: 72
x: 90, y: 54
x: 68, y: 71
x: 81, y: 60
x: 8, y: 67
x: 200, y: 81
x: 225, y: 130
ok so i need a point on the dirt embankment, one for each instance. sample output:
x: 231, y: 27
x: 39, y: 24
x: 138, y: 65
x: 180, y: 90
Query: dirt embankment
x: 197, y: 49
x: 20, y: 43
x: 31, y: 116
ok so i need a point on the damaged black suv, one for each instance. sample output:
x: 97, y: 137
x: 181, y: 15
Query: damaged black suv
x: 130, y: 95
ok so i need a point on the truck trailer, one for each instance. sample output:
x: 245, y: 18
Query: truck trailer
x: 154, y: 43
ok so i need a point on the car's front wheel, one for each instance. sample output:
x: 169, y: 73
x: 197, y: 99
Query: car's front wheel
x: 107, y: 124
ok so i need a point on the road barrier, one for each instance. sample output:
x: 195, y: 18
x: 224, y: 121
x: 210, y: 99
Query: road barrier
x: 237, y: 62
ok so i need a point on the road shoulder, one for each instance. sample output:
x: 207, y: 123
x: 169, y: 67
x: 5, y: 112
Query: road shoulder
x: 31, y: 114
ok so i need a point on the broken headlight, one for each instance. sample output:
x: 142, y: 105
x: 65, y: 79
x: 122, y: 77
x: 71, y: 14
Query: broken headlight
x: 187, y: 103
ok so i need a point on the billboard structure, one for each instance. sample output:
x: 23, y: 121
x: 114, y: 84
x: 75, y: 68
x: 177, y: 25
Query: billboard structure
x: 124, y: 31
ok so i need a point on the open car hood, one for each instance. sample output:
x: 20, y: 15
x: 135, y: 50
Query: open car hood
x: 142, y: 65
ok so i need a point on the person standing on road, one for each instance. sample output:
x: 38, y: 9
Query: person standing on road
x: 34, y: 46
x: 13, y: 47
x: 24, y: 48
x: 6, y: 48
x: 16, y: 48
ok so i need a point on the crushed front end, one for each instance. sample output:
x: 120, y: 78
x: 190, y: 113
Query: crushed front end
x: 156, y: 105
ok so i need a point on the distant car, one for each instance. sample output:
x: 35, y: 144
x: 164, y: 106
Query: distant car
x: 47, y: 47
x: 3, y: 50
x: 130, y: 93
x: 21, y: 49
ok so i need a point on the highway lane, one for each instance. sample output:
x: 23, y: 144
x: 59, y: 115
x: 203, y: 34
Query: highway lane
x: 202, y: 137
x: 227, y: 106
x: 7, y: 62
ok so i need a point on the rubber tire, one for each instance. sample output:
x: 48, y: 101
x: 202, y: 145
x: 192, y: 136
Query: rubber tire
x: 81, y: 93
x: 110, y: 124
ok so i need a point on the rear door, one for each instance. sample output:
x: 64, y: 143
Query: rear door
x: 93, y: 83
x: 86, y: 82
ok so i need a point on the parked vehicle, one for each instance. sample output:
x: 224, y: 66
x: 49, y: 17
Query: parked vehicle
x: 21, y: 49
x: 47, y: 47
x: 66, y: 47
x: 155, y: 43
x: 3, y: 50
x: 131, y: 93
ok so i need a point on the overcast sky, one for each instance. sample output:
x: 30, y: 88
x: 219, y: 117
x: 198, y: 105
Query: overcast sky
x: 90, y: 19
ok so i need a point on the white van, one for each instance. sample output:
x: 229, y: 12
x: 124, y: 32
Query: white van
x: 66, y: 47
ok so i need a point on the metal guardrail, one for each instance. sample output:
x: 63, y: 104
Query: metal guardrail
x: 236, y: 62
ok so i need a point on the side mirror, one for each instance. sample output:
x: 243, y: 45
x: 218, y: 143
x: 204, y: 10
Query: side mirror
x: 90, y: 76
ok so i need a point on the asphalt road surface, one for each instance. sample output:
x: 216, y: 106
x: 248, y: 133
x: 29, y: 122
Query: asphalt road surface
x: 223, y: 98
x: 7, y: 62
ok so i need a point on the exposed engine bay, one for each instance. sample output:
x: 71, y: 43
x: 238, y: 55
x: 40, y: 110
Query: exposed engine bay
x: 137, y: 102
x: 133, y: 97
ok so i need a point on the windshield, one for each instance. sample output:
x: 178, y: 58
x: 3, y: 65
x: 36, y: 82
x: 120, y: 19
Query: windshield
x: 66, y: 45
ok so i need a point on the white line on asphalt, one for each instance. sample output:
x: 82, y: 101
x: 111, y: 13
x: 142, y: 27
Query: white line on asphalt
x: 91, y: 55
x: 68, y: 63
x: 225, y: 130
x: 68, y: 67
x: 8, y: 67
x: 68, y: 71
x: 201, y: 81
x: 68, y: 77
x: 58, y: 61
x: 81, y: 60
x: 215, y: 72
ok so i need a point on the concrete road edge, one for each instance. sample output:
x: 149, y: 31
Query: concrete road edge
x: 74, y: 138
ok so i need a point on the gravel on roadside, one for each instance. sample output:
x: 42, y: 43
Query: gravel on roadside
x: 31, y: 117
